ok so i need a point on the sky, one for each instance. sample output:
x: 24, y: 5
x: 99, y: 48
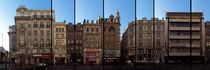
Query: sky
x: 92, y: 9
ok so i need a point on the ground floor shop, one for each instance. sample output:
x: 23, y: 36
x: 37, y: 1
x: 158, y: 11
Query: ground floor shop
x: 92, y: 56
x: 59, y: 59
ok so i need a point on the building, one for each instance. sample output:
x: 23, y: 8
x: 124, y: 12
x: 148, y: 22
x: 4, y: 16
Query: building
x: 111, y: 38
x: 78, y: 34
x: 74, y: 35
x: 102, y: 36
x: 92, y: 41
x: 207, y: 41
x: 33, y: 35
x: 12, y: 43
x: 59, y: 42
x: 184, y: 42
x: 69, y: 42
x: 124, y: 47
x: 144, y: 37
x: 3, y: 55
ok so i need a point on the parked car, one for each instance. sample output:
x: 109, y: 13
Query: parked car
x: 39, y: 66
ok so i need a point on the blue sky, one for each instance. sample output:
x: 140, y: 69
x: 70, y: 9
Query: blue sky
x: 92, y: 9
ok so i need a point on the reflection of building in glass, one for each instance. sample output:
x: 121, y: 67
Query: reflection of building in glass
x: 181, y: 38
x: 144, y: 41
x: 59, y: 42
x: 33, y: 35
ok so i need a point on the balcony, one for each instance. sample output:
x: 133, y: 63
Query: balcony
x: 184, y: 54
x: 184, y: 37
x: 184, y: 28
x: 184, y: 45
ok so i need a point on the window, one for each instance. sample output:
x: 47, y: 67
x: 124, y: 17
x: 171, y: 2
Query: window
x: 111, y: 29
x: 48, y: 25
x: 92, y: 29
x: 149, y: 35
x: 29, y: 25
x: 158, y: 27
x: 41, y: 24
x: 62, y: 36
x: 131, y: 30
x: 208, y: 44
x: 158, y: 42
x: 196, y: 25
x: 96, y: 29
x: 29, y: 33
x: 140, y: 28
x: 48, y: 43
x: 57, y: 35
x: 87, y: 29
x: 158, y: 35
x: 149, y: 27
x: 35, y: 24
x: 42, y: 33
x: 21, y: 26
x: 62, y: 29
x: 59, y: 29
x: 56, y: 30
x: 145, y: 27
x: 35, y: 43
x: 35, y: 33
x: 140, y: 35
x: 42, y: 43
x: 48, y: 33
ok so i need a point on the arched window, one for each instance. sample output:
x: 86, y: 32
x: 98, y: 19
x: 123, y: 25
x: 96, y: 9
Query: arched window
x: 111, y: 29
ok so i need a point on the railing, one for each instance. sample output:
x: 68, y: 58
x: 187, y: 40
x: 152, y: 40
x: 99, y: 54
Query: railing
x: 184, y: 28
x: 184, y: 53
x: 184, y: 37
x: 183, y: 45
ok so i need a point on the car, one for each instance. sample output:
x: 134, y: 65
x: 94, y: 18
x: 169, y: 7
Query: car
x: 129, y: 63
x: 38, y: 66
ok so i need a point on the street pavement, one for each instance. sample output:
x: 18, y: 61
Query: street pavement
x: 118, y: 67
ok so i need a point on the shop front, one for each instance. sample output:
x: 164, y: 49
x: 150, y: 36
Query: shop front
x: 92, y: 56
x: 41, y: 58
x: 60, y: 59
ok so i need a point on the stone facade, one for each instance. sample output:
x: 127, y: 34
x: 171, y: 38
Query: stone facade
x: 102, y: 36
x: 92, y: 42
x: 74, y: 42
x: 112, y: 39
x: 12, y: 43
x: 146, y: 43
x: 33, y: 35
x: 59, y: 42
